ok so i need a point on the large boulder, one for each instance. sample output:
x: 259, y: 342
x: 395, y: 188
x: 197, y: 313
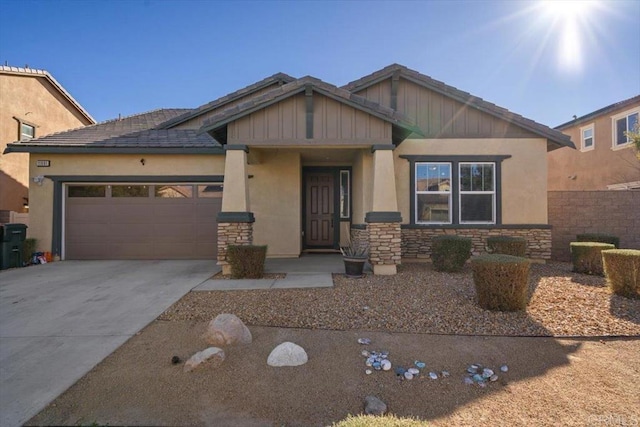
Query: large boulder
x: 214, y: 357
x: 374, y: 406
x: 287, y: 354
x: 227, y: 329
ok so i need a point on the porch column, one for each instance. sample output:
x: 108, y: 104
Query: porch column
x: 235, y: 220
x: 384, y: 220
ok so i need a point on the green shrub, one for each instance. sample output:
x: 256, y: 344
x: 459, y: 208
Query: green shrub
x: 507, y: 245
x: 599, y: 238
x: 501, y: 281
x: 247, y: 261
x: 587, y: 257
x: 622, y: 267
x: 28, y: 248
x: 449, y: 253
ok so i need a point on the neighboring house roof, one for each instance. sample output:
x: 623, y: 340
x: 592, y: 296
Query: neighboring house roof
x: 279, y: 78
x: 466, y: 98
x: 606, y: 110
x: 5, y: 69
x: 404, y: 126
x: 133, y: 134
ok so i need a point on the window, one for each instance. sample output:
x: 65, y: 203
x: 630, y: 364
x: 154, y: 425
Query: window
x: 477, y: 193
x: 587, y: 138
x: 174, y: 191
x: 211, y: 191
x: 27, y: 132
x: 345, y: 194
x: 87, y: 191
x: 625, y: 122
x: 129, y: 191
x: 433, y: 193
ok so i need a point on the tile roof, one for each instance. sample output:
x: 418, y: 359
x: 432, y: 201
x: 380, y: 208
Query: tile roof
x: 5, y: 69
x: 300, y: 85
x: 466, y: 98
x: 134, y: 132
x: 221, y: 102
x: 605, y: 110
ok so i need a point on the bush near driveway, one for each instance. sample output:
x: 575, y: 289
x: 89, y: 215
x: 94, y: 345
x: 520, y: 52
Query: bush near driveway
x: 587, y: 257
x: 449, y: 253
x: 622, y: 268
x: 501, y: 281
x: 247, y: 261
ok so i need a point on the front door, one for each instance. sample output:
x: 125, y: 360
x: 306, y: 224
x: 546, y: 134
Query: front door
x: 319, y: 210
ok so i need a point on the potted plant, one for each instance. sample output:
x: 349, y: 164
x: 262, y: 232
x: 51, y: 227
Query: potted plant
x: 354, y: 255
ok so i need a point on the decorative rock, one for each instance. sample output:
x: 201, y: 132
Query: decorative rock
x: 419, y: 364
x: 400, y: 371
x: 287, y: 354
x: 365, y: 353
x: 478, y: 378
x: 468, y: 381
x: 368, y: 371
x: 175, y: 360
x: 482, y: 385
x: 445, y: 374
x: 377, y: 366
x: 386, y: 364
x: 504, y: 368
x: 374, y: 406
x: 413, y: 371
x: 493, y: 378
x: 213, y: 355
x: 227, y: 329
x: 364, y: 341
x: 433, y: 375
x: 487, y: 373
x: 408, y: 375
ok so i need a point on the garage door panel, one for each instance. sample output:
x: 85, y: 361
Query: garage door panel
x: 141, y: 228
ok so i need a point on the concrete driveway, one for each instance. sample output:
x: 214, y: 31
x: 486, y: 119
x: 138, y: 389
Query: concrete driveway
x: 59, y: 320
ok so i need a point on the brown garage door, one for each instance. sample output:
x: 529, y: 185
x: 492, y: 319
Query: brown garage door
x: 151, y: 221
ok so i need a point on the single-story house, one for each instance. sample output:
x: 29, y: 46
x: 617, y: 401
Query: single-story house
x: 391, y: 159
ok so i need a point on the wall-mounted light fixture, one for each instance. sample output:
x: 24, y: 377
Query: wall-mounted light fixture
x: 142, y: 161
x: 38, y: 179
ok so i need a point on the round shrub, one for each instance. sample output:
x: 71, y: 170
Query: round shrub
x: 449, y: 253
x: 508, y: 245
x: 622, y: 268
x: 501, y: 281
x: 599, y: 238
x: 247, y: 261
x: 587, y: 257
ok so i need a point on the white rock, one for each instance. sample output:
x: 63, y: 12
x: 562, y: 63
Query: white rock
x: 413, y: 371
x: 214, y: 357
x: 408, y: 375
x: 386, y: 364
x: 287, y: 354
x: 227, y: 329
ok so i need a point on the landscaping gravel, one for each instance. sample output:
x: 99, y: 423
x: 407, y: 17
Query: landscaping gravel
x: 421, y: 300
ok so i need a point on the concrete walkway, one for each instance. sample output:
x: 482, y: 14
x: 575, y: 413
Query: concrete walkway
x: 59, y: 320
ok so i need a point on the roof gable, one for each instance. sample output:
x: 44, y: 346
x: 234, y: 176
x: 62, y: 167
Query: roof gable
x: 216, y: 125
x: 555, y: 138
x: 602, y: 111
x: 228, y: 100
x: 31, y: 72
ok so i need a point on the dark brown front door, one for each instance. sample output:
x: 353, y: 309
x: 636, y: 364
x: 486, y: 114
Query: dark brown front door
x: 319, y: 204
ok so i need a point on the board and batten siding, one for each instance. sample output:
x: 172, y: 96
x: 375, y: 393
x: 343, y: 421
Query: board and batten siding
x: 439, y: 116
x: 284, y: 123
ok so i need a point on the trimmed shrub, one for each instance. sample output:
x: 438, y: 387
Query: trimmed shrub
x: 449, y: 253
x: 501, y: 281
x: 599, y: 238
x: 587, y: 257
x: 28, y: 248
x: 622, y: 267
x: 247, y: 261
x: 507, y: 245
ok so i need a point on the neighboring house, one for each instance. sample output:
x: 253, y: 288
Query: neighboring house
x: 605, y: 158
x: 32, y: 104
x: 394, y: 159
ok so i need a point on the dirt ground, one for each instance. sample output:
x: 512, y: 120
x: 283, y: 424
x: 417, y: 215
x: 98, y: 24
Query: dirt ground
x: 550, y: 381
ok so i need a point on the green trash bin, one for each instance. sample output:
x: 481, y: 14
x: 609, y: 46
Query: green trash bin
x: 12, y: 237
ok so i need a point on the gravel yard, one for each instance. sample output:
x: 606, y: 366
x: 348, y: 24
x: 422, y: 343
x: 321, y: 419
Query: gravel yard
x: 421, y: 300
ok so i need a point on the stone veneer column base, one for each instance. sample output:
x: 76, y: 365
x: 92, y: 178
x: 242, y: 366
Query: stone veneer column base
x: 384, y: 247
x: 232, y: 233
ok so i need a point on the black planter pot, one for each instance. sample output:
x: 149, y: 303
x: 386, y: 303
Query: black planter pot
x: 354, y: 267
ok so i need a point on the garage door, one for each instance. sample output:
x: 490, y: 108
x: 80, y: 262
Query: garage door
x: 141, y: 221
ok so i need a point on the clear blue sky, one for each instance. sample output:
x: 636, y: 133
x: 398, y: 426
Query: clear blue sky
x: 115, y: 57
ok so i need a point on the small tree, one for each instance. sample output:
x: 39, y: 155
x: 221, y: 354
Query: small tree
x: 634, y: 136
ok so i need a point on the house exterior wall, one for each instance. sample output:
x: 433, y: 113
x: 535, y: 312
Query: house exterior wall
x: 284, y: 123
x: 524, y: 193
x: 578, y: 170
x: 440, y: 116
x: 41, y: 197
x: 35, y: 101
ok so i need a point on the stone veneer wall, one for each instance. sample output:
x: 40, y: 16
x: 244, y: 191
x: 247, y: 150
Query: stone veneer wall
x: 233, y: 233
x: 384, y: 243
x: 416, y: 242
x: 360, y: 236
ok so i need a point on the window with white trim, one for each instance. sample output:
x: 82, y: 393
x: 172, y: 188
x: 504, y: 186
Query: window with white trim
x: 587, y: 137
x: 27, y: 131
x: 433, y: 193
x: 622, y: 123
x: 477, y: 193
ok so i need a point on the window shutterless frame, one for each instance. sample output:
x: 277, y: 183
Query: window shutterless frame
x: 443, y: 190
x: 587, y: 138
x: 484, y: 186
x: 621, y: 123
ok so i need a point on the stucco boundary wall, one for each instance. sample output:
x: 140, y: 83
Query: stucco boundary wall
x: 416, y: 242
x: 605, y: 212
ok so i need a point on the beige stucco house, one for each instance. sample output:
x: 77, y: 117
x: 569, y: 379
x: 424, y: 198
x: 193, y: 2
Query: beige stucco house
x: 32, y: 104
x: 605, y: 158
x: 391, y: 159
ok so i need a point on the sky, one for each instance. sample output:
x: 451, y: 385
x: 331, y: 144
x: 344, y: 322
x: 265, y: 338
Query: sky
x: 546, y: 60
